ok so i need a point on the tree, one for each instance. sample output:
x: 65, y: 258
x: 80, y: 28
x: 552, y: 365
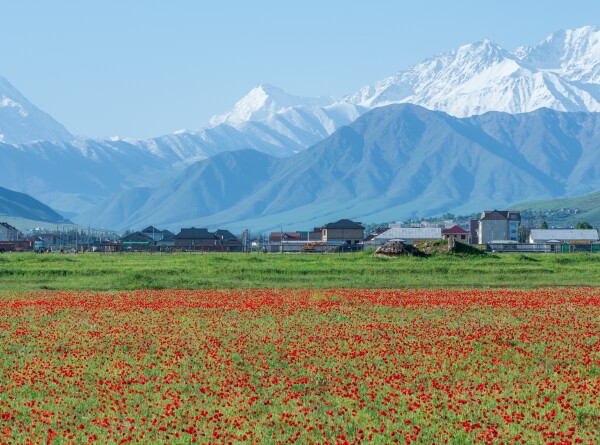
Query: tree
x: 523, y: 234
x: 583, y: 225
x: 544, y: 225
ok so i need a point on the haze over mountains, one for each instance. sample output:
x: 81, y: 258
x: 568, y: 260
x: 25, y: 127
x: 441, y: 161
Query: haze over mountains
x: 395, y: 160
x: 553, y: 152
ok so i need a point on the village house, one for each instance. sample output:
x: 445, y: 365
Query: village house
x: 201, y: 239
x: 343, y: 232
x: 193, y: 239
x: 153, y: 233
x: 9, y: 233
x: 137, y: 241
x: 231, y: 242
x: 499, y: 225
x: 166, y: 239
x: 456, y: 233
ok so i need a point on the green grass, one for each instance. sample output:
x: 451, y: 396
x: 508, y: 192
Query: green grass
x: 22, y: 272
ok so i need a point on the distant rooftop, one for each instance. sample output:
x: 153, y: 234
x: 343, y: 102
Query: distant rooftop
x: 344, y: 224
x: 564, y: 234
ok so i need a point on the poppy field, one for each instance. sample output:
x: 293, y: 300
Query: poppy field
x: 301, y: 366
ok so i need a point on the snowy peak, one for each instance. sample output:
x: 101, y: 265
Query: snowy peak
x: 433, y: 82
x: 572, y: 53
x: 263, y: 101
x: 561, y: 73
x: 22, y: 122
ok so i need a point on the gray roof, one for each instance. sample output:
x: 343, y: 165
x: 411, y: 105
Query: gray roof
x: 225, y: 234
x: 194, y: 233
x: 344, y: 224
x: 8, y: 226
x: 512, y: 215
x: 564, y: 234
x: 137, y: 237
x: 409, y: 233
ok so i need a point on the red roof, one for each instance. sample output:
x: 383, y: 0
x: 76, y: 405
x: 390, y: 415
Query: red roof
x: 454, y: 230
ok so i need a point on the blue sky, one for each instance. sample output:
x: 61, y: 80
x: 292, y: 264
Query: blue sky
x: 137, y: 68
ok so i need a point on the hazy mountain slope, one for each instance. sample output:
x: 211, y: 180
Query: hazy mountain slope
x: 392, y: 163
x: 22, y: 122
x: 73, y: 177
x: 204, y: 188
x: 20, y: 205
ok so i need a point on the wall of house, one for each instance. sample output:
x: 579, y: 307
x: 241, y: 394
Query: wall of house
x: 460, y: 237
x: 8, y: 234
x: 493, y: 230
x: 343, y: 235
x: 187, y: 243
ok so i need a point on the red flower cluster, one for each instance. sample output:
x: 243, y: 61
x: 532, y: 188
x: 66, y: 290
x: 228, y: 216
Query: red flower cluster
x: 301, y: 366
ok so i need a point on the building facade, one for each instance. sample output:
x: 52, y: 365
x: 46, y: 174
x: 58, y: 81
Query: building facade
x: 499, y: 225
x: 9, y: 233
x: 456, y: 233
x: 343, y: 232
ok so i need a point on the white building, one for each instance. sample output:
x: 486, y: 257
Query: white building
x: 499, y: 225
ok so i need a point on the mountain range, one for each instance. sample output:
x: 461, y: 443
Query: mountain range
x: 393, y: 162
x: 78, y: 176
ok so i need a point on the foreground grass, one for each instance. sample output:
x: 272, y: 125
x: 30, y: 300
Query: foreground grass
x: 301, y: 366
x: 20, y: 272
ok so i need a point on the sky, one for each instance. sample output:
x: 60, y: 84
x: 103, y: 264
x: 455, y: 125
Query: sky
x: 144, y: 68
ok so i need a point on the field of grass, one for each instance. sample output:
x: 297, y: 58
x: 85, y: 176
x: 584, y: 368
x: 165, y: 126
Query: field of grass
x: 93, y: 271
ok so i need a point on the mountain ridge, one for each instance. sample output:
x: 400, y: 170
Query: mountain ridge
x: 392, y: 163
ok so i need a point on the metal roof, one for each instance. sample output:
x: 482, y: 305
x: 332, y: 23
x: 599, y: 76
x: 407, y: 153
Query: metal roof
x: 564, y: 234
x: 194, y: 233
x: 344, y: 224
x: 454, y: 230
x: 408, y: 233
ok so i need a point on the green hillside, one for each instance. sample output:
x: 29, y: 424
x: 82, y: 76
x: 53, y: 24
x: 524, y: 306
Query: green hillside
x: 564, y: 211
x: 20, y: 205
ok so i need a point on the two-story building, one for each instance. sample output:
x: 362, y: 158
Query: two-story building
x: 343, y: 232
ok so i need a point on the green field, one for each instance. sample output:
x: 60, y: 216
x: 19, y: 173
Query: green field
x: 93, y: 271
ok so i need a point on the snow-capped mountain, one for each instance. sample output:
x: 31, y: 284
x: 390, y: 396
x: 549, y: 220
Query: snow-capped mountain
x: 290, y: 122
x: 573, y: 54
x: 263, y: 101
x: 561, y: 73
x: 21, y: 121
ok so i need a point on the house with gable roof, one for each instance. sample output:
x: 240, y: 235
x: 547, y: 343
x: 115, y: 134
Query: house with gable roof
x: 457, y: 233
